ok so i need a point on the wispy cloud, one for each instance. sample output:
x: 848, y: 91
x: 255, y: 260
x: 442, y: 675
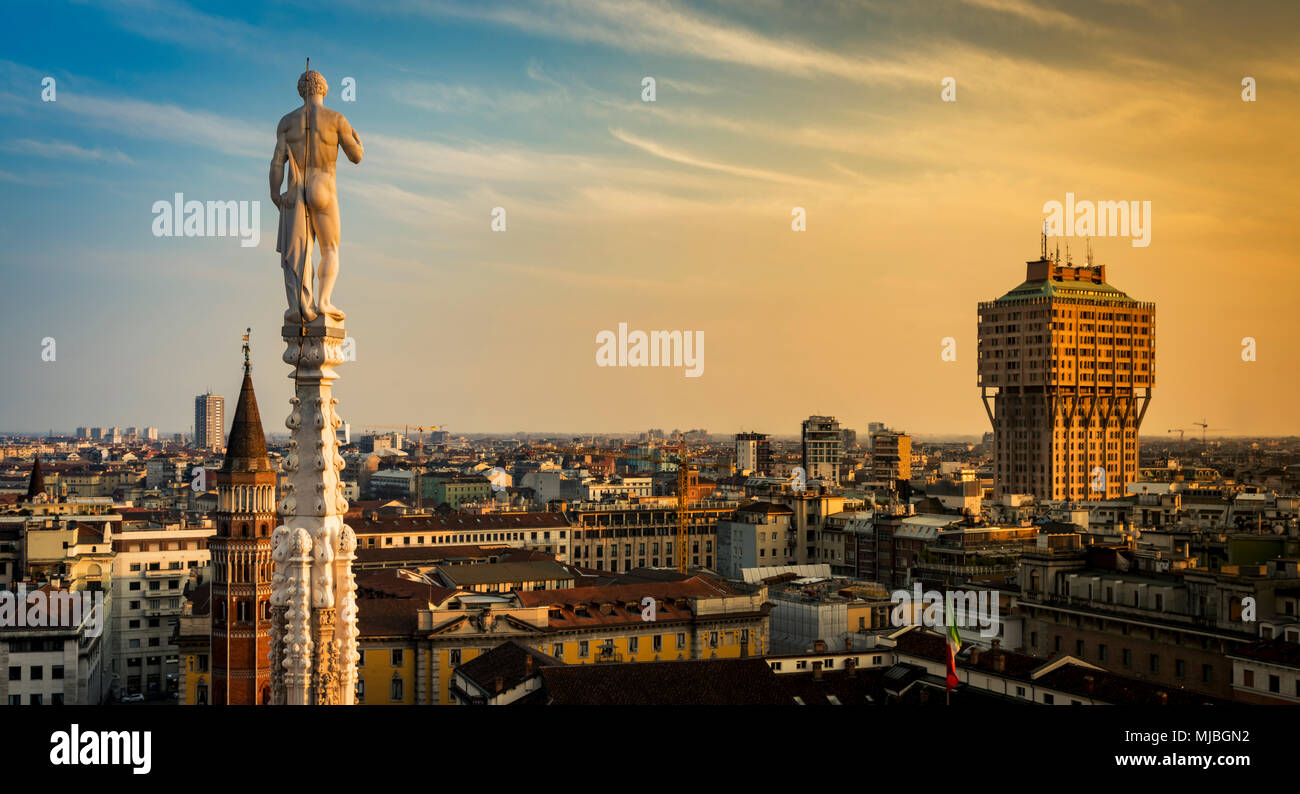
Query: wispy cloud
x: 58, y: 150
x: 684, y: 158
x: 649, y: 26
x: 1039, y: 15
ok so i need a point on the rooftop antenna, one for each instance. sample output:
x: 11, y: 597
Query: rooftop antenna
x: 1068, y: 260
x: 1057, y: 260
x: 1088, y: 242
x: 1044, y: 240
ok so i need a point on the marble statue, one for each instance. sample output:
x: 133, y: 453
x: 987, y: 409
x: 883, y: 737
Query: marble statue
x: 308, y: 140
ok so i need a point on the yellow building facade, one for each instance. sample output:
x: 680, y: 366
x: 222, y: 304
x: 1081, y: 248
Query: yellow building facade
x: 692, y: 619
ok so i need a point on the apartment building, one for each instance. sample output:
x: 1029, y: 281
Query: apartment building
x: 618, y: 537
x: 154, y: 562
x: 56, y: 665
x: 822, y: 448
x: 1114, y: 607
x: 415, y: 634
x: 548, y: 532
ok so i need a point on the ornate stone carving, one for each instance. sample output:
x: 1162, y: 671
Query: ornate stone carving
x: 316, y: 549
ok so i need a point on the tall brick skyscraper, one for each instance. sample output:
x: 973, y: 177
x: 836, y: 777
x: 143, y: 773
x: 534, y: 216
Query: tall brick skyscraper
x: 1066, y: 366
x: 241, y: 561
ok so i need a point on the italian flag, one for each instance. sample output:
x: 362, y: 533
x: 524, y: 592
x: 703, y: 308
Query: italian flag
x: 954, y: 645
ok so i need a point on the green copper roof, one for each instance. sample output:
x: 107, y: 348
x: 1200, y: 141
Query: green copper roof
x: 1053, y: 288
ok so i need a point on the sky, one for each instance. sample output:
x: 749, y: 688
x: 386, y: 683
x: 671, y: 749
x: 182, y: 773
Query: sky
x: 674, y: 214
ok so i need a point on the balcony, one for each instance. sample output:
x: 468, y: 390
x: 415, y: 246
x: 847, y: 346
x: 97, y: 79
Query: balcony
x: 165, y: 572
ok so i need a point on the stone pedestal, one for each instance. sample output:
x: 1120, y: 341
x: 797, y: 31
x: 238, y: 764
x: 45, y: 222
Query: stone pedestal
x: 313, y: 594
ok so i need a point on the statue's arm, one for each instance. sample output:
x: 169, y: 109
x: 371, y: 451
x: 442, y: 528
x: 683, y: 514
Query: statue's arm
x: 277, y: 166
x: 349, y: 140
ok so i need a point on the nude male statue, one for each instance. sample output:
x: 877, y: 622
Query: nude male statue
x: 308, y: 139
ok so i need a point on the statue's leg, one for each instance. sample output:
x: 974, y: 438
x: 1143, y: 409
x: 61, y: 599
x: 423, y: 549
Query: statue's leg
x: 329, y: 272
x: 326, y: 224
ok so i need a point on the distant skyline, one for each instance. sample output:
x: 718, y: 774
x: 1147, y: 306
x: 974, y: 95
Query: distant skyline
x: 674, y: 214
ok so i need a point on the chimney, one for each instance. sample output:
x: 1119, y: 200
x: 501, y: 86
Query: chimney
x: 997, y: 643
x: 848, y: 642
x: 1089, y: 683
x: 999, y: 662
x: 975, y: 655
x: 500, y: 684
x: 817, y: 671
x: 819, y: 646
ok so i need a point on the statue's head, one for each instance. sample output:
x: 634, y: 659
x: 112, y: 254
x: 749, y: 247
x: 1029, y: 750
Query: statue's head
x: 312, y: 83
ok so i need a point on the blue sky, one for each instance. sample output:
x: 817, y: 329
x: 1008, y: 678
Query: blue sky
x: 671, y: 215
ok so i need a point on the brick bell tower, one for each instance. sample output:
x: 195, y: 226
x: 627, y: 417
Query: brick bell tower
x: 241, y: 560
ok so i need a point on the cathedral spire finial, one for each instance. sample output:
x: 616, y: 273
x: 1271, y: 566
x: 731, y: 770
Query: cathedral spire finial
x: 247, y: 366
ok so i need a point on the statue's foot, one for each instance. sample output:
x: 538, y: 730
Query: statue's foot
x: 291, y: 317
x: 331, y: 311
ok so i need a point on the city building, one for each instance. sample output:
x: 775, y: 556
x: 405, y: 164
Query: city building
x: 1130, y: 612
x: 618, y: 537
x: 209, y: 421
x: 759, y: 534
x: 891, y: 456
x: 1066, y: 367
x: 823, y: 449
x: 548, y: 532
x: 415, y: 634
x: 193, y: 641
x: 753, y: 453
x: 453, y: 489
x: 59, y: 665
x: 152, y: 564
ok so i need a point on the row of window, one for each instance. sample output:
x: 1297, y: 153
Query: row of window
x: 473, y: 537
x: 56, y: 699
x: 36, y: 672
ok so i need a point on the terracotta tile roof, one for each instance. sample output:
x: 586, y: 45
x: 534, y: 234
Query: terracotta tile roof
x: 705, y: 682
x: 430, y: 555
x: 509, y: 662
x: 388, y: 617
x: 389, y: 602
x: 503, y: 573
x: 1120, y: 690
x: 584, y: 607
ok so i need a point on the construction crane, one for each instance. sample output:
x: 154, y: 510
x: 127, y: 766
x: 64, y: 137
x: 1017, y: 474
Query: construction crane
x: 1202, y: 424
x: 683, y: 483
x: 406, y: 429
